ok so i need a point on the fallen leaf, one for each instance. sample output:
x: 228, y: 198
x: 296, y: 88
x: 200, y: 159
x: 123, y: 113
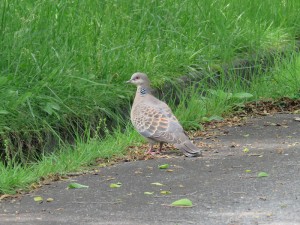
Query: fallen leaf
x: 5, y: 196
x: 280, y: 151
x: 38, y: 199
x: 76, y: 186
x: 169, y: 170
x: 164, y: 166
x: 262, y: 174
x: 248, y: 171
x: 115, y: 185
x: 246, y: 150
x: 165, y: 192
x: 101, y: 165
x: 185, y: 202
x: 148, y: 193
x: 157, y: 184
x: 297, y: 119
x: 49, y: 199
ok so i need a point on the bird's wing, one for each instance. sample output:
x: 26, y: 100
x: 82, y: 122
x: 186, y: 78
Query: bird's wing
x: 156, y: 121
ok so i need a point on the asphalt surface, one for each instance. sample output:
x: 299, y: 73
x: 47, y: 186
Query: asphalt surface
x: 223, y: 184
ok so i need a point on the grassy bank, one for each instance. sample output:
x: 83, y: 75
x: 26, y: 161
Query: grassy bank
x: 63, y: 63
x: 194, y: 108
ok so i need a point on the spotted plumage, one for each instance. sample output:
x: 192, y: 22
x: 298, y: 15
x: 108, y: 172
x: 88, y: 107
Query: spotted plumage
x: 154, y: 119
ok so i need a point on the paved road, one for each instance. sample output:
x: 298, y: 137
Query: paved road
x: 218, y: 185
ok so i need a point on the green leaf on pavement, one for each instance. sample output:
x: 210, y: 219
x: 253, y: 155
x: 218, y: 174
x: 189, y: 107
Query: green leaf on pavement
x: 165, y: 192
x: 49, y: 199
x: 38, y: 199
x: 185, y: 202
x: 262, y: 174
x: 115, y: 185
x: 246, y: 150
x: 76, y: 186
x: 164, y: 166
x: 157, y: 184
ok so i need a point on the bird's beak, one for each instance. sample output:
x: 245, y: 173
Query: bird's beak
x: 129, y: 81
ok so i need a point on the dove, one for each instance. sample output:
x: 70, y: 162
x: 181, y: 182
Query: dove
x: 154, y: 119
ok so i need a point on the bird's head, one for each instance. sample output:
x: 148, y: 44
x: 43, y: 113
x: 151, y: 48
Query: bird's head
x: 139, y: 79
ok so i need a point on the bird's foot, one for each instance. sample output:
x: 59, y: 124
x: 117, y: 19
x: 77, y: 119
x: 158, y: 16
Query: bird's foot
x: 152, y: 152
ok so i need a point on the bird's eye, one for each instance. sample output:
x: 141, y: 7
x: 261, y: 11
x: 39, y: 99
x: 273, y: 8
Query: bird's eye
x: 137, y: 77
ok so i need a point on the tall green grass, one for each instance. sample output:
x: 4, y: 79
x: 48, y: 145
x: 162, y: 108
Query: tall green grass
x: 225, y: 96
x: 284, y: 81
x: 63, y: 63
x: 193, y: 109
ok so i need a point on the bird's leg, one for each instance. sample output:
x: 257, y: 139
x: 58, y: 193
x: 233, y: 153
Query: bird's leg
x: 160, y: 147
x: 150, y: 150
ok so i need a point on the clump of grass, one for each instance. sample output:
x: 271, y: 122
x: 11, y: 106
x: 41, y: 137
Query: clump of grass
x: 283, y: 81
x: 15, y: 176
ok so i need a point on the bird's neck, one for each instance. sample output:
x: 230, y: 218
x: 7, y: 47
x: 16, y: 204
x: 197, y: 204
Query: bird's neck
x: 143, y: 90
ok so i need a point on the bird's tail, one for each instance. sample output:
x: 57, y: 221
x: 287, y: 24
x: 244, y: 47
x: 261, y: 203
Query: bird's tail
x: 189, y: 149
